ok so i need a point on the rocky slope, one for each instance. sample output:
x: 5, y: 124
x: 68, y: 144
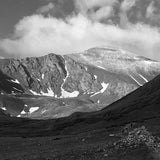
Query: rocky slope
x: 140, y: 106
x: 97, y: 76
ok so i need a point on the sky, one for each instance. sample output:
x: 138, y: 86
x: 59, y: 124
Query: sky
x: 38, y: 27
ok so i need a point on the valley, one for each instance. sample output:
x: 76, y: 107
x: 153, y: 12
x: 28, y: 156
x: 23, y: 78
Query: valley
x: 98, y: 111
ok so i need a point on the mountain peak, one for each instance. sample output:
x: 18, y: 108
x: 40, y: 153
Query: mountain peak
x: 111, y: 52
x: 115, y: 59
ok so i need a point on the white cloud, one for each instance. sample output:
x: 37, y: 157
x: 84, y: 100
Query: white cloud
x: 84, y: 6
x: 150, y: 10
x: 37, y: 35
x: 127, y: 4
x: 103, y: 13
x: 45, y: 8
x: 94, y: 3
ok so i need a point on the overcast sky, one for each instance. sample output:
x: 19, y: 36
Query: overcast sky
x: 38, y: 27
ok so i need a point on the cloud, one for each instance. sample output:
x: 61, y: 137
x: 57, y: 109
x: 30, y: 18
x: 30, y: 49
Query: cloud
x: 150, y: 10
x: 103, y: 13
x: 104, y: 8
x: 89, y: 4
x: 45, y: 8
x: 153, y: 14
x: 126, y: 5
x: 38, y: 35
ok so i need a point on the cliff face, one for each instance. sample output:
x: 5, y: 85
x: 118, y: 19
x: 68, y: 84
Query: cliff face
x: 34, y: 74
x: 51, y: 75
x: 92, y: 80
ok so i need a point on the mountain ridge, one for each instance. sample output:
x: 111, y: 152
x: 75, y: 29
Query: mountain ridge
x: 69, y: 83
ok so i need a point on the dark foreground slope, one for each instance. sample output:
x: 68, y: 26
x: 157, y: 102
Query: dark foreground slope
x: 127, y: 129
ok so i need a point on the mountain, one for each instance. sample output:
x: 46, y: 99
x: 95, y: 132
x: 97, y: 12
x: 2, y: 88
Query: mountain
x: 126, y: 129
x: 56, y: 86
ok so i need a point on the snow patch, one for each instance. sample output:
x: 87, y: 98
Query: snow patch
x: 143, y: 78
x: 16, y: 89
x: 43, y: 111
x: 136, y: 80
x: 50, y: 92
x: 38, y: 79
x: 15, y: 81
x: 66, y: 75
x: 149, y: 62
x: 33, y: 109
x: 43, y: 76
x: 86, y: 68
x: 23, y: 112
x: 66, y: 94
x: 104, y: 87
x: 4, y: 108
x: 101, y: 67
x: 34, y: 93
x: 95, y: 76
x: 19, y: 115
